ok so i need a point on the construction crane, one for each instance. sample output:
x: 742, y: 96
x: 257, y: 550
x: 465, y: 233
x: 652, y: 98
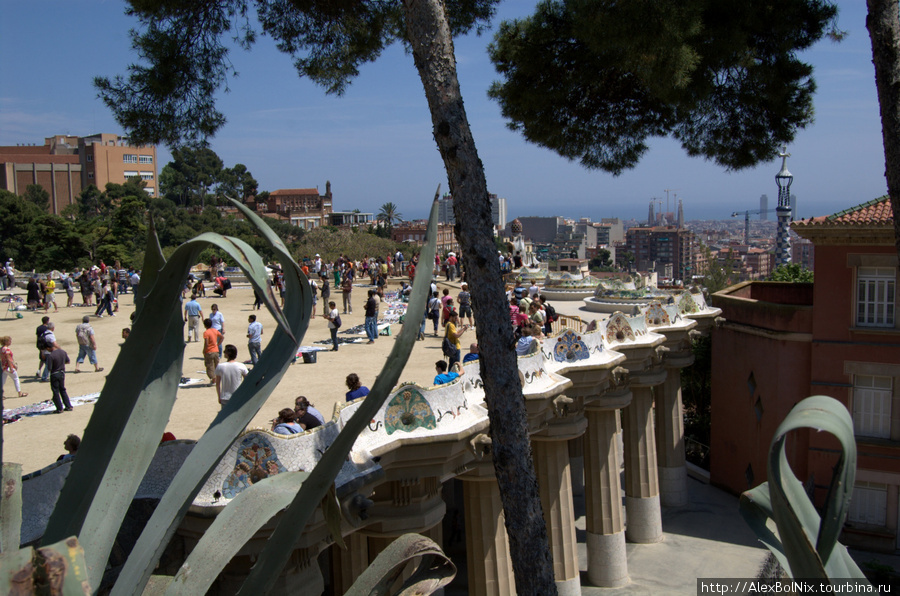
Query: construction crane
x: 747, y: 215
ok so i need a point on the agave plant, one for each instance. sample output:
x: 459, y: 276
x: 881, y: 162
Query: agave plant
x: 805, y: 544
x: 130, y: 416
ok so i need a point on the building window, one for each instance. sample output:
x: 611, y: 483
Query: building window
x: 145, y: 159
x: 872, y: 397
x: 129, y: 158
x: 90, y: 157
x: 875, y: 296
x: 90, y: 175
x: 131, y: 174
x: 146, y: 175
x: 868, y: 505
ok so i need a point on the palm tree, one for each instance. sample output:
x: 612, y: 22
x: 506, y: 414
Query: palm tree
x: 389, y: 214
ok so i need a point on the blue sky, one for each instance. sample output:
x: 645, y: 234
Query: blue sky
x: 375, y: 145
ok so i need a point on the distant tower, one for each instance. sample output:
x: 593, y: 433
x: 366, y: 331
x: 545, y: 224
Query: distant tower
x: 651, y: 217
x: 783, y: 238
x: 680, y: 214
x: 764, y: 208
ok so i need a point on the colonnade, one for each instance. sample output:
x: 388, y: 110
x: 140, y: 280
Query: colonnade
x: 611, y: 392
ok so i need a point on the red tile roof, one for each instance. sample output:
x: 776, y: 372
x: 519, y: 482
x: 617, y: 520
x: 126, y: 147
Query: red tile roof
x: 875, y: 213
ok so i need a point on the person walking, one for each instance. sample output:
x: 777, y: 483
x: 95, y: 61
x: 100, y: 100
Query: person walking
x: 10, y: 272
x: 464, y: 298
x: 211, y: 339
x: 371, y: 323
x: 8, y: 365
x: 218, y: 323
x: 57, y: 360
x: 229, y: 375
x: 68, y: 284
x: 106, y: 300
x: 254, y: 339
x: 193, y: 316
x: 434, y: 310
x: 87, y: 344
x: 347, y: 288
x: 334, y: 323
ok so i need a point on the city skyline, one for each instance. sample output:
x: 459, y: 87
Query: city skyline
x: 375, y: 144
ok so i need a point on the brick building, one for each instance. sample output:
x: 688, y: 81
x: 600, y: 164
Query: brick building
x: 64, y: 165
x: 413, y: 232
x: 302, y: 207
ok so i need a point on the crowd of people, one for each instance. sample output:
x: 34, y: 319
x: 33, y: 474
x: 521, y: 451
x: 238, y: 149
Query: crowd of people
x: 98, y: 286
x: 451, y: 313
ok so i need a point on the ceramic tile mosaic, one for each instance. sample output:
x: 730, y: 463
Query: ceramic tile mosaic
x: 618, y: 329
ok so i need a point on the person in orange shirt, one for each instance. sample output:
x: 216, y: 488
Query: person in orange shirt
x: 211, y: 339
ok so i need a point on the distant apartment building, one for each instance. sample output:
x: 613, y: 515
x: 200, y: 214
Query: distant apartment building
x: 64, y: 165
x: 413, y: 232
x: 610, y: 231
x: 803, y: 253
x: 759, y: 262
x: 498, y: 210
x: 539, y: 230
x: 302, y: 207
x: 655, y: 248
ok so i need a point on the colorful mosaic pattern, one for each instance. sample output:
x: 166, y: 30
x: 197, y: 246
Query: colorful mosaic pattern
x: 686, y: 304
x: 618, y: 329
x: 656, y: 315
x: 570, y: 348
x: 407, y: 411
x: 256, y: 460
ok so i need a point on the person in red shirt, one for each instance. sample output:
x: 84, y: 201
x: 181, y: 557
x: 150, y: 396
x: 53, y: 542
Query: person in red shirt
x: 211, y: 339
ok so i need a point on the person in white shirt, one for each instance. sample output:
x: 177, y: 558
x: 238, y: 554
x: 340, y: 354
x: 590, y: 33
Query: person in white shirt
x: 229, y: 375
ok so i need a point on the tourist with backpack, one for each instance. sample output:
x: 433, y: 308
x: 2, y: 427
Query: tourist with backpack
x: 550, y: 315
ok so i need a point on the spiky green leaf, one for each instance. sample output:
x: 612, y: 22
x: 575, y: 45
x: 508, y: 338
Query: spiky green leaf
x: 231, y: 420
x: 279, y: 546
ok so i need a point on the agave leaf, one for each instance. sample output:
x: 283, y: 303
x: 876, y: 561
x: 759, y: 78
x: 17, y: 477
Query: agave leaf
x: 435, y: 570
x: 11, y: 508
x: 756, y: 509
x: 231, y: 420
x: 278, y: 548
x: 53, y: 569
x: 795, y: 515
x: 153, y: 262
x: 133, y: 408
x: 232, y: 528
x: 331, y: 509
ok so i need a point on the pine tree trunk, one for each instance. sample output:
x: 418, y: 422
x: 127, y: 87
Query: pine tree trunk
x: 883, y: 23
x: 432, y: 45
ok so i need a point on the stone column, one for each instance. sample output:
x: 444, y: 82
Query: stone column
x: 670, y: 441
x: 551, y: 463
x: 487, y: 546
x: 641, y: 482
x: 607, y: 562
x: 576, y: 465
x: 347, y: 565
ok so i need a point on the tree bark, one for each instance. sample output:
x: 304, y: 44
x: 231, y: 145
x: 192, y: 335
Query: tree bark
x: 883, y: 23
x: 432, y: 45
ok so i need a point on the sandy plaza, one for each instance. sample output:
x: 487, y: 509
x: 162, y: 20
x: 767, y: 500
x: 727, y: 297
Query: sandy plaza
x: 36, y: 441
